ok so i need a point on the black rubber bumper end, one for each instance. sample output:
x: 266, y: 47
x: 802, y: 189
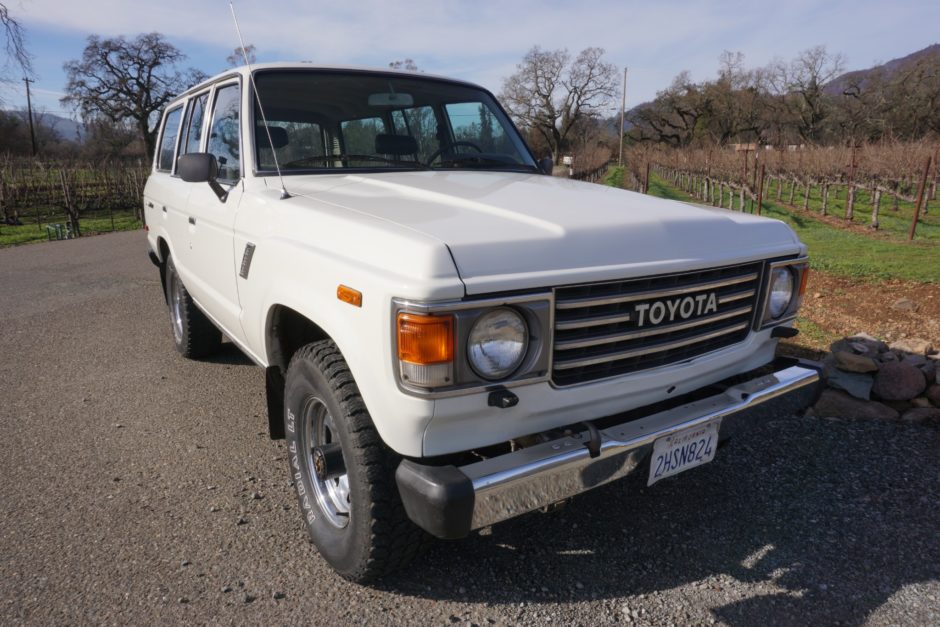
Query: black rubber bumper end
x: 153, y: 257
x: 439, y: 499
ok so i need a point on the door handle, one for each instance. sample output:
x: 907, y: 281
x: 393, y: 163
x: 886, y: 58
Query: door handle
x: 192, y: 220
x: 150, y: 205
x: 164, y: 208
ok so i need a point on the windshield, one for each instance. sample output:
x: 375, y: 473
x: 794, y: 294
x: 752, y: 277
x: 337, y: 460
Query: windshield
x: 319, y: 121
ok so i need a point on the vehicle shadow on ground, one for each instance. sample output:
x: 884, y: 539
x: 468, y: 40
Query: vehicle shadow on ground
x: 823, y: 520
x: 228, y: 355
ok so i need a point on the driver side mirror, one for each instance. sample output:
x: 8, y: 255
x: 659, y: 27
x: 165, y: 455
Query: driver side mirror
x: 201, y: 167
x: 546, y: 165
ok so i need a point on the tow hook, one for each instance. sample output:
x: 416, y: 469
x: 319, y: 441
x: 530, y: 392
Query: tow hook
x: 328, y: 461
x: 594, y: 440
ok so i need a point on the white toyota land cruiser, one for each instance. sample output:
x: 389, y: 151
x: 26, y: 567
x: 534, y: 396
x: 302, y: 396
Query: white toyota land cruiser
x: 450, y: 337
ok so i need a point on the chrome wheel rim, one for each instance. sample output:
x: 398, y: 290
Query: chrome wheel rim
x: 176, y: 307
x: 332, y: 495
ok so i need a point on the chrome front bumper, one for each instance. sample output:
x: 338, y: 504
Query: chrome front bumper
x: 450, y: 501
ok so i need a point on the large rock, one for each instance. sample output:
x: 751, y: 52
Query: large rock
x: 933, y: 393
x: 930, y: 370
x: 836, y: 404
x: 913, y: 345
x: 899, y: 382
x: 858, y: 385
x: 850, y: 362
x: 869, y: 342
x: 922, y: 415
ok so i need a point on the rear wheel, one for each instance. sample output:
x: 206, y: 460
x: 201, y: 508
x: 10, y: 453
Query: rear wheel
x: 193, y: 333
x: 343, y: 472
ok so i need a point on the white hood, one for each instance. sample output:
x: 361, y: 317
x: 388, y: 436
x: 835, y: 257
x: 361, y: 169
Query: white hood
x: 510, y: 231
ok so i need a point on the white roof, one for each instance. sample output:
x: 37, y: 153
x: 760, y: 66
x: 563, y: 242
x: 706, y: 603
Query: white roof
x: 294, y: 65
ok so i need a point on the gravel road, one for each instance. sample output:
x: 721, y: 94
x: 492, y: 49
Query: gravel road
x: 138, y: 487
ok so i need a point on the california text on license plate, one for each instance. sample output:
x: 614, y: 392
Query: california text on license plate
x: 683, y: 450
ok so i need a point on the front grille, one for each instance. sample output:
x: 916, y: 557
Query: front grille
x: 609, y: 329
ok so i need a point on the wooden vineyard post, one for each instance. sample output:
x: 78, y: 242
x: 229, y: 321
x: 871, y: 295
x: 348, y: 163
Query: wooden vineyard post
x: 920, y: 200
x: 760, y: 189
x: 646, y: 184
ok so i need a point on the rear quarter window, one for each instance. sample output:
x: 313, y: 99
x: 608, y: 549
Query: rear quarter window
x: 171, y: 131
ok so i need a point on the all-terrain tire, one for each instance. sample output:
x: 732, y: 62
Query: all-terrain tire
x: 357, y: 521
x: 193, y: 333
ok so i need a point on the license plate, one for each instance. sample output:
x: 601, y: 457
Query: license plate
x: 683, y: 450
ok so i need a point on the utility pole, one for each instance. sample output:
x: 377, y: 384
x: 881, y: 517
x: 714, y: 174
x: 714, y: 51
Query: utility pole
x: 623, y: 106
x: 29, y: 110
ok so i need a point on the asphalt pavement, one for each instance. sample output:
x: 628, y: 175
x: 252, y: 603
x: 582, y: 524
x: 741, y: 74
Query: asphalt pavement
x: 139, y: 487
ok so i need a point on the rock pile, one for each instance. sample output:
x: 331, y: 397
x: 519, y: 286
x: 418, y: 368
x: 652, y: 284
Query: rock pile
x: 871, y: 380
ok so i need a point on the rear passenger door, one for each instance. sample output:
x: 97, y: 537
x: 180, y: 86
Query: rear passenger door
x: 165, y: 195
x: 210, y: 222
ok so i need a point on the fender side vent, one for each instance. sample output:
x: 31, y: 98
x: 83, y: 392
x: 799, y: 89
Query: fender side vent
x: 246, y: 260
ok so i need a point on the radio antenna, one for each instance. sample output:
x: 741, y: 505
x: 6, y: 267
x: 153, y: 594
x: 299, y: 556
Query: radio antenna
x: 254, y: 88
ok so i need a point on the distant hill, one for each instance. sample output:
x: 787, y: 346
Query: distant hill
x: 858, y: 77
x: 66, y: 128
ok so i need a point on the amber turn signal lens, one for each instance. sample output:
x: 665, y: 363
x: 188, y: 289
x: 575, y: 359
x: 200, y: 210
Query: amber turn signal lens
x: 349, y: 295
x: 803, y: 279
x: 425, y: 339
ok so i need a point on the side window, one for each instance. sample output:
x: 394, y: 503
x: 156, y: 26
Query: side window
x: 421, y: 123
x: 473, y: 122
x: 359, y: 135
x: 224, y: 140
x: 171, y: 131
x: 194, y: 120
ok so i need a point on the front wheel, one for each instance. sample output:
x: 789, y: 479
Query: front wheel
x: 343, y: 472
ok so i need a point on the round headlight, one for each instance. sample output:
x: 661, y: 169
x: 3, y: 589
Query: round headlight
x: 781, y: 292
x: 497, y: 343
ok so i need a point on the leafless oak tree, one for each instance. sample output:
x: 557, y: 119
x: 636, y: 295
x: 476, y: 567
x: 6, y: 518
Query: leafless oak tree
x: 15, y: 44
x: 123, y: 79
x: 238, y: 55
x: 551, y: 93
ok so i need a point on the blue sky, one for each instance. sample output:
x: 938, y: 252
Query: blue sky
x: 481, y: 40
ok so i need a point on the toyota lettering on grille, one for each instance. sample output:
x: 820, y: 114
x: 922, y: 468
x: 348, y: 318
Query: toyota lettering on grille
x: 659, y: 311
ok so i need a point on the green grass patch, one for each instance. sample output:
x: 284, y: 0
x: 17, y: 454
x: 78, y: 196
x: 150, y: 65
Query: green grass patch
x: 893, y: 224
x: 614, y: 176
x: 91, y: 225
x: 844, y: 252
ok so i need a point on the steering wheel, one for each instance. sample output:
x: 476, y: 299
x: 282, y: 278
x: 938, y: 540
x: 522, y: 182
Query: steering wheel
x: 437, y: 153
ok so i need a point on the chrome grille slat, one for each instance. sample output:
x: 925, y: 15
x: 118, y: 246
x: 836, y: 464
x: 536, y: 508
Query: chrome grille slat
x: 566, y: 365
x: 609, y: 329
x: 593, y: 322
x: 652, y: 295
x: 669, y: 328
x: 733, y: 297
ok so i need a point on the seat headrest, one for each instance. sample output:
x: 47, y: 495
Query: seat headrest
x: 395, y: 144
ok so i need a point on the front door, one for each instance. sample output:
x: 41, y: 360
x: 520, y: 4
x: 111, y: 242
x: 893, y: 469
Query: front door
x: 211, y: 221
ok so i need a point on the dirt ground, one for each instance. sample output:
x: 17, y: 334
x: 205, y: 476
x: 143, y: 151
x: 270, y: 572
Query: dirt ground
x: 838, y: 306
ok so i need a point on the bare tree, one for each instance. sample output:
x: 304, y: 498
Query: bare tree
x: 803, y: 80
x: 124, y: 79
x: 550, y: 93
x: 407, y: 64
x: 15, y: 43
x: 238, y: 55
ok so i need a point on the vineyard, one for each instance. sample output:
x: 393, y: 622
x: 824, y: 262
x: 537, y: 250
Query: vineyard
x: 875, y: 187
x: 53, y: 199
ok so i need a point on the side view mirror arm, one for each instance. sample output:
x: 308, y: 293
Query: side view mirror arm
x: 220, y: 192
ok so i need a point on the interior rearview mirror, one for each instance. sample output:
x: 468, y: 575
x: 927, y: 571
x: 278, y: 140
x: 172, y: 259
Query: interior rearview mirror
x: 201, y: 167
x: 391, y: 100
